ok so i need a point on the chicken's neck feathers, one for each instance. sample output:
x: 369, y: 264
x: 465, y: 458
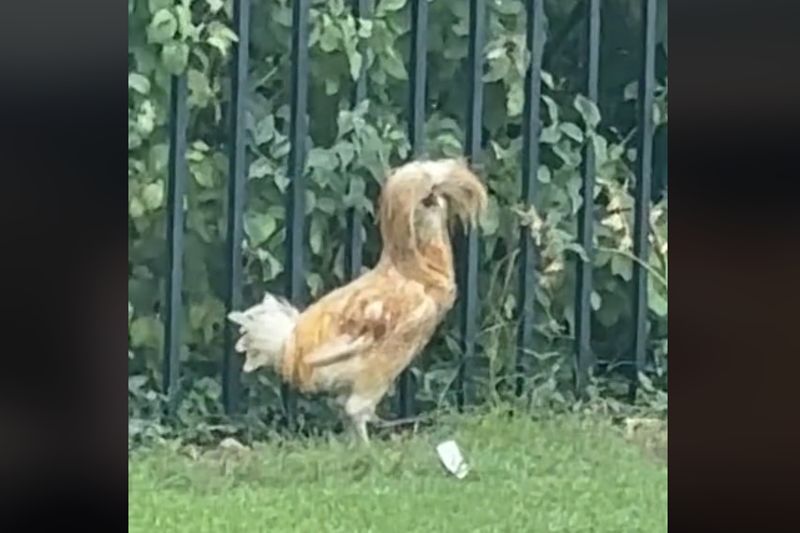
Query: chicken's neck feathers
x: 430, y: 263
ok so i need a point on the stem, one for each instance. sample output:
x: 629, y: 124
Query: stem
x: 632, y: 257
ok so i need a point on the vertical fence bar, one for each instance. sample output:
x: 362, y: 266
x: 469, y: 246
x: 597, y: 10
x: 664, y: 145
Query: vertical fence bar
x: 353, y: 245
x: 296, y: 193
x: 178, y: 123
x: 531, y: 125
x: 416, y: 135
x: 644, y: 172
x: 236, y: 186
x: 583, y: 275
x: 468, y: 258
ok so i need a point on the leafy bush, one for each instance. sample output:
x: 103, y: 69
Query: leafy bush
x: 353, y: 146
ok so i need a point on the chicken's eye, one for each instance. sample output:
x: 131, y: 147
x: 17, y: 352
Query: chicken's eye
x: 429, y: 201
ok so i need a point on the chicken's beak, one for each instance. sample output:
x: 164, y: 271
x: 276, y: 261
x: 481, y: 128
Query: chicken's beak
x: 465, y: 193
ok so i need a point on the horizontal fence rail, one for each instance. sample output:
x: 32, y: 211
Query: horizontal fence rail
x: 588, y: 11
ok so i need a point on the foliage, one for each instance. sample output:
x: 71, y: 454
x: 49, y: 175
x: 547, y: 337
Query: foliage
x: 349, y: 149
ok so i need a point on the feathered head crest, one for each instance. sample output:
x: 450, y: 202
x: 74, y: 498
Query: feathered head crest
x: 410, y: 188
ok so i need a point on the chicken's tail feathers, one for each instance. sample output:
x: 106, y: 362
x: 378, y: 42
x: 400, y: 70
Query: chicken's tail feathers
x: 264, y: 329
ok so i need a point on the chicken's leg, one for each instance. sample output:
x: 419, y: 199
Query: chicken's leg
x: 361, y: 410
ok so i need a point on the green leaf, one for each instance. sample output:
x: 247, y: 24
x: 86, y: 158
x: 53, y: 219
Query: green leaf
x: 270, y: 265
x: 389, y: 6
x: 157, y: 158
x: 355, y: 197
x: 201, y: 147
x: 543, y: 174
x: 331, y: 86
x: 135, y: 208
x: 595, y: 300
x: 364, y: 28
x: 600, y: 147
x: 311, y: 201
x: 490, y: 218
x: 260, y: 168
x: 498, y: 68
x: 326, y: 205
x: 550, y: 135
x: 552, y: 108
x: 145, y: 331
x: 515, y: 100
x: 547, y: 79
x: 162, y: 27
x: 346, y: 153
x: 259, y: 227
x: 568, y: 155
x: 215, y: 5
x: 264, y: 130
x: 146, y: 118
x: 574, y: 191
x: 197, y: 315
x: 203, y: 172
x: 187, y: 30
x: 393, y: 65
x: 356, y: 62
x: 621, y: 266
x: 138, y: 83
x: 153, y: 195
x: 588, y: 111
x: 316, y: 234
x: 656, y: 114
x: 154, y: 5
x: 175, y: 57
x: 630, y: 92
x: 315, y: 284
x: 221, y: 37
x: 645, y: 382
x: 200, y: 93
x: 578, y: 250
x: 330, y: 35
x: 572, y: 131
x: 655, y: 299
x: 508, y: 8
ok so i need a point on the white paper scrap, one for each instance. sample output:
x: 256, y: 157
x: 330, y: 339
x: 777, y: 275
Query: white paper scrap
x: 451, y: 458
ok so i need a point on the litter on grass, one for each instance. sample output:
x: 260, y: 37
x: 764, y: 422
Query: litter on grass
x: 452, y: 459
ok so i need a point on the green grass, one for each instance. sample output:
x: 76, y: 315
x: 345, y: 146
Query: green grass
x: 562, y: 475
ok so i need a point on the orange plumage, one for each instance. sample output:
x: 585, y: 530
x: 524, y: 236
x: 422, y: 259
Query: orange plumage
x: 356, y: 340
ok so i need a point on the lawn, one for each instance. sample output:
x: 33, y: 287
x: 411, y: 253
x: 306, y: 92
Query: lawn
x: 561, y: 475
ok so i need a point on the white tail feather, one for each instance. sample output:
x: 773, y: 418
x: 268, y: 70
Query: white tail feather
x: 264, y: 329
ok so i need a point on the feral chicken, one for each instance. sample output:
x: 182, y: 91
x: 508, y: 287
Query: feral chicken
x: 355, y: 341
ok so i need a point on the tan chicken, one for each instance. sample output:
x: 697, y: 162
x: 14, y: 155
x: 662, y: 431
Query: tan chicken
x: 354, y: 341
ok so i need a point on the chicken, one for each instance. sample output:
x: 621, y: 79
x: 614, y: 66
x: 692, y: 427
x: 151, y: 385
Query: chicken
x: 354, y: 341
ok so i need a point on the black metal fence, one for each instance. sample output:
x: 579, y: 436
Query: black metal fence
x: 468, y: 248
